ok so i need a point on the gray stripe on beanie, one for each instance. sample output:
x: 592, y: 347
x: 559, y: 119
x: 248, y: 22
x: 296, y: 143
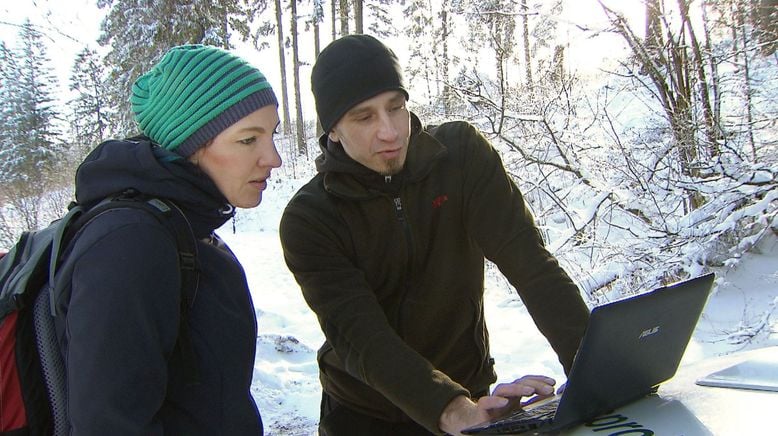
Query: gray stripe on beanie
x: 233, y: 114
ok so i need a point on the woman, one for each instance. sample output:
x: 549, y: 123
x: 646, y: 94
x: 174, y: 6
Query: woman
x: 208, y: 118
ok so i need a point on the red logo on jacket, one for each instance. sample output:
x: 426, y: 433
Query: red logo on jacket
x: 439, y: 200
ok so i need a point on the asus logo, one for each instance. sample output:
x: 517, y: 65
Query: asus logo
x: 649, y: 332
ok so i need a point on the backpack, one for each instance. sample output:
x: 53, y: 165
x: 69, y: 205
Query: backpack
x: 33, y: 397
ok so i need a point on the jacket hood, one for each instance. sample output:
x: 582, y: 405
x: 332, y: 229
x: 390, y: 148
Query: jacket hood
x: 117, y: 165
x: 345, y: 176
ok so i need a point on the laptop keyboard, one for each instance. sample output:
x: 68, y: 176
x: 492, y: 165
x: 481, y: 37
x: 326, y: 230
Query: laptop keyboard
x: 523, y: 420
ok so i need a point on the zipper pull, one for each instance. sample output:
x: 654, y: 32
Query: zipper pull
x: 398, y: 208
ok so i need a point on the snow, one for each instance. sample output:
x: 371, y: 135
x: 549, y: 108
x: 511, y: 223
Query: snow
x: 740, y: 315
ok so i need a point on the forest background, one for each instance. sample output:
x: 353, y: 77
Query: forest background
x: 642, y: 133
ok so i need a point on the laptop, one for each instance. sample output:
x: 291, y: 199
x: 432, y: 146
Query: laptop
x: 629, y: 348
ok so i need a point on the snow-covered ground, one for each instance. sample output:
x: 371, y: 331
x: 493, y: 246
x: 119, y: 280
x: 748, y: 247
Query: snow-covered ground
x: 741, y: 314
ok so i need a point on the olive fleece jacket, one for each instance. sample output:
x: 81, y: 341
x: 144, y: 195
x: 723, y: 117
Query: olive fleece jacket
x: 394, y: 270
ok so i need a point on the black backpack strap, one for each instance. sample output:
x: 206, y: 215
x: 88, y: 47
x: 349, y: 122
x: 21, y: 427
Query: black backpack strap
x: 169, y: 215
x: 190, y: 281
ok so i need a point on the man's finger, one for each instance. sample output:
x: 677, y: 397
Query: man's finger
x: 525, y: 386
x: 490, y: 402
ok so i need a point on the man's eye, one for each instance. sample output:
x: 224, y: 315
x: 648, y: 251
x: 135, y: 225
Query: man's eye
x: 248, y: 141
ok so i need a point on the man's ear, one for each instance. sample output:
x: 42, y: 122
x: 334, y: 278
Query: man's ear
x: 333, y: 135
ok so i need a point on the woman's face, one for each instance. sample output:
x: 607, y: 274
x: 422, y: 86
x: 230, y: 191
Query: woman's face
x: 240, y: 158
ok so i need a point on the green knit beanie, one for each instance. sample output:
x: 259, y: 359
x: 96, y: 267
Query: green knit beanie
x: 194, y: 93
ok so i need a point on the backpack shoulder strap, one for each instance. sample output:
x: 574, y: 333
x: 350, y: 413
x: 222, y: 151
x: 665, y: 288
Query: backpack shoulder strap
x: 171, y: 217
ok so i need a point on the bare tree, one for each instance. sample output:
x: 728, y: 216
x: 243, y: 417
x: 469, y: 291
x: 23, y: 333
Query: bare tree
x: 673, y: 63
x: 286, y: 125
x: 316, y: 18
x: 344, y: 16
x: 358, y: 17
x: 333, y: 17
x: 302, y: 149
x: 527, y: 55
x: 445, y: 60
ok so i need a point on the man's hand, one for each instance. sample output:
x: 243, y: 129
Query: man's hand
x: 462, y: 412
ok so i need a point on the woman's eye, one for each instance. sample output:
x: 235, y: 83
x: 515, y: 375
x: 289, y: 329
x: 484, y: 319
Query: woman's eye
x: 248, y: 141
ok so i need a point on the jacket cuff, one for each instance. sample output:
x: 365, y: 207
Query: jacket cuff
x: 437, y: 400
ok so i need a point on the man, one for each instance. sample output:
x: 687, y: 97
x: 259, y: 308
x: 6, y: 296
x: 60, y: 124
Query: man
x: 388, y: 244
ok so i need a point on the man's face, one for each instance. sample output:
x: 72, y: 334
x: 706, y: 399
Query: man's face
x: 376, y: 132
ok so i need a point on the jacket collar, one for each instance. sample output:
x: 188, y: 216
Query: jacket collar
x: 116, y: 165
x: 347, y: 178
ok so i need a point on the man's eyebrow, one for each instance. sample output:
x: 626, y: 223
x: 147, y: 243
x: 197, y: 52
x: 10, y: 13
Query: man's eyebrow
x: 397, y: 98
x: 359, y: 110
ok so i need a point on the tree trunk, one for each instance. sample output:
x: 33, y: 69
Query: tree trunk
x: 527, y: 54
x: 333, y: 17
x: 302, y: 149
x: 344, y: 13
x: 698, y: 61
x: 286, y: 125
x: 746, y: 75
x: 714, y: 72
x: 358, y: 17
x: 316, y: 51
x: 445, y: 61
x: 500, y: 61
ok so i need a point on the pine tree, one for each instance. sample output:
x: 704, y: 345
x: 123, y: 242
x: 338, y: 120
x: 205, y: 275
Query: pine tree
x: 418, y: 17
x: 30, y: 140
x: 139, y: 32
x: 379, y: 16
x: 91, y: 116
x: 8, y: 74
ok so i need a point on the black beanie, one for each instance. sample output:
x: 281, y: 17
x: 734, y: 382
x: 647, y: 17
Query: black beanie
x: 349, y: 71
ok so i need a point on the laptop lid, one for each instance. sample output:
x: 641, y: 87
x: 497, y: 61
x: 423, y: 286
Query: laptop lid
x: 630, y: 347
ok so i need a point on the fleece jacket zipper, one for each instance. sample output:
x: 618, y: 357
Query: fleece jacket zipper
x: 400, y: 214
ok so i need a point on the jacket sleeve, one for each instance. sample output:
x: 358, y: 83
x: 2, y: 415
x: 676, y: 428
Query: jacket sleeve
x: 500, y: 221
x: 354, y: 323
x: 121, y: 326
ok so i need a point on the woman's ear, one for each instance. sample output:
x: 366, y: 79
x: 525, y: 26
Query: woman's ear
x: 195, y: 157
